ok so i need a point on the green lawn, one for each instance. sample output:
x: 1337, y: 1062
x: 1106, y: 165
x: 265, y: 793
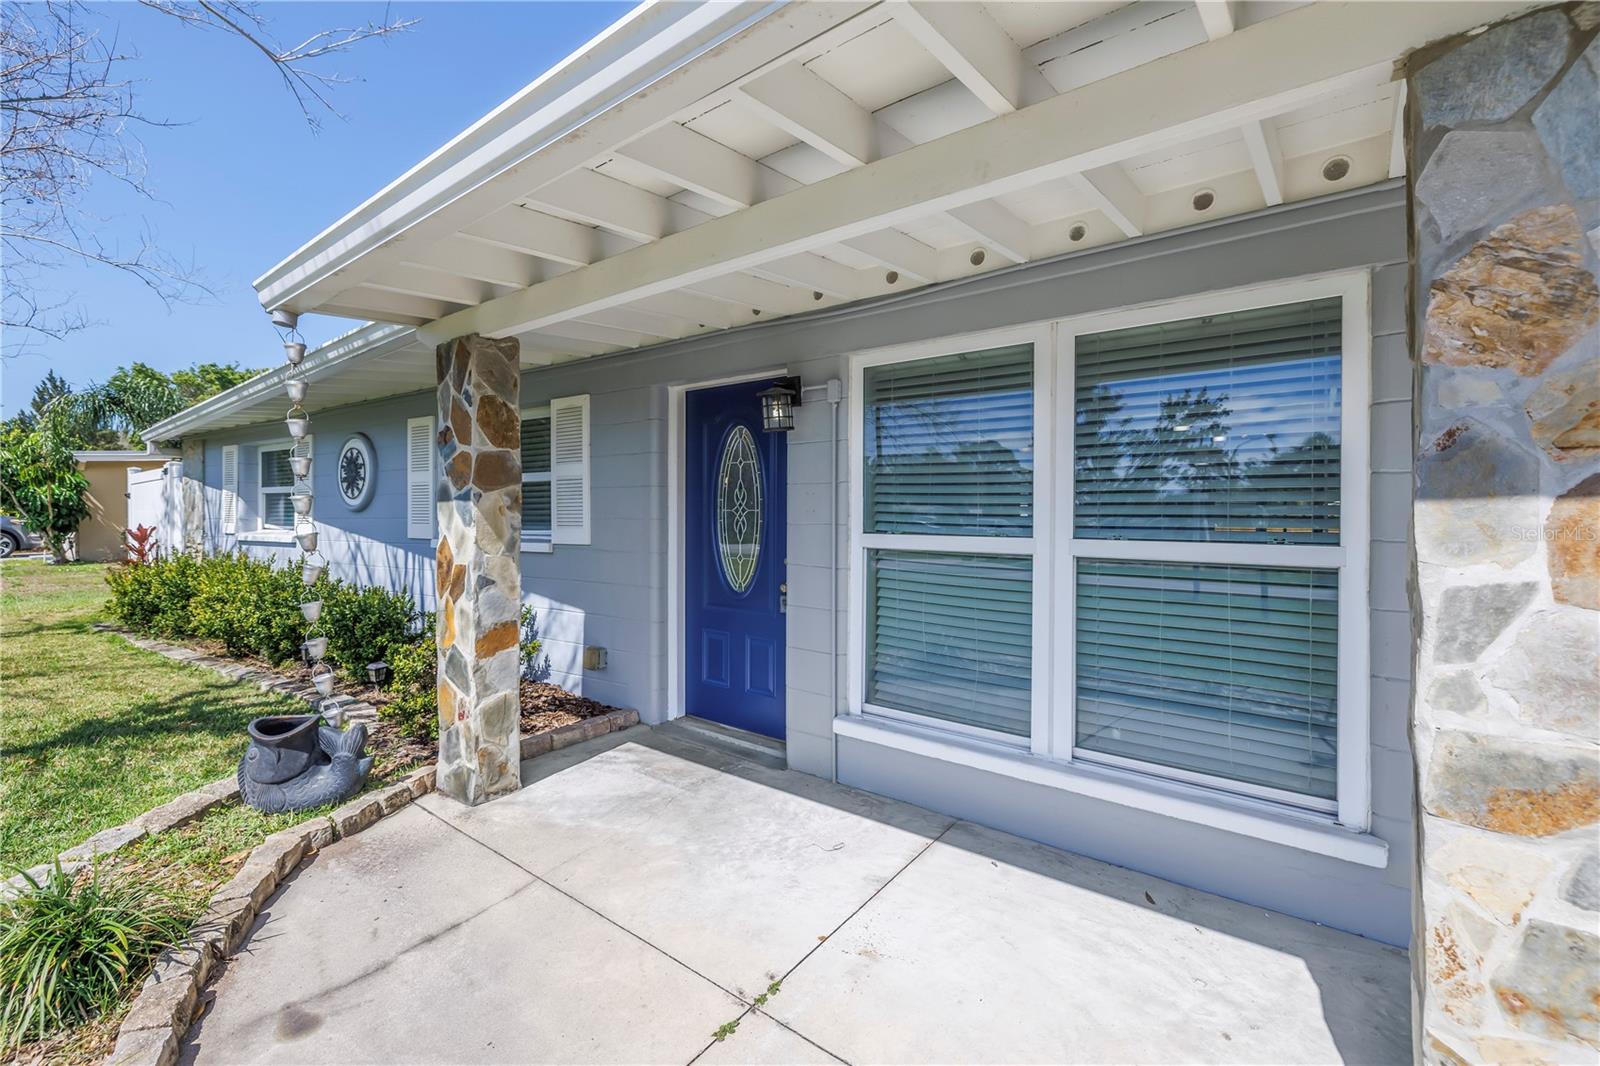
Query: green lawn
x: 94, y: 731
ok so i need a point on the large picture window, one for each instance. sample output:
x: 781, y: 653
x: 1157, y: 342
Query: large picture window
x: 1136, y: 540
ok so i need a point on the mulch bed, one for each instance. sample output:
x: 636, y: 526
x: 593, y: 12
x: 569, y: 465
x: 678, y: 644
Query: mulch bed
x: 544, y: 707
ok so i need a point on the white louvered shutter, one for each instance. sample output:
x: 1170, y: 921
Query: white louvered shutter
x: 419, y: 477
x: 230, y: 488
x: 569, y: 469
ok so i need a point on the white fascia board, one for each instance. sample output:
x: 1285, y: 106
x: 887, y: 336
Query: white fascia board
x: 365, y: 342
x: 1265, y: 70
x: 565, y: 119
x: 111, y: 456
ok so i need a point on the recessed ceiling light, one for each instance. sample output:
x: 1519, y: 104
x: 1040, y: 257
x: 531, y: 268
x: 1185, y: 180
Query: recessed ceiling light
x: 892, y: 276
x: 1077, y: 231
x: 1203, y: 200
x: 976, y: 258
x: 1336, y: 168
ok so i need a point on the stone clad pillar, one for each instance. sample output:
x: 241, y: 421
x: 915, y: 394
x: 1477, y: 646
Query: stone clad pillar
x: 1504, y: 159
x: 478, y: 566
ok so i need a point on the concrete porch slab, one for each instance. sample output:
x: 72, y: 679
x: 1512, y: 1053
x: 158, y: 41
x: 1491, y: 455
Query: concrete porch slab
x: 642, y: 889
x: 990, y: 948
x: 733, y: 867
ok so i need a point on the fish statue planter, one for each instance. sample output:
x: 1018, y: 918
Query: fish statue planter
x: 294, y: 763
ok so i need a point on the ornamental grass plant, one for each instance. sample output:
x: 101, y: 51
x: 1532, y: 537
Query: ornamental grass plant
x: 70, y: 946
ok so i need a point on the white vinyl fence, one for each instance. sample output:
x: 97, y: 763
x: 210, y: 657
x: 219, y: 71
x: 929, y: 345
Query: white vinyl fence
x: 155, y: 498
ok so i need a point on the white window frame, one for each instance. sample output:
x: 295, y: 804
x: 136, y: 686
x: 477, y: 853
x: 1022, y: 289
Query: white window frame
x: 1039, y: 336
x: 546, y: 543
x: 1048, y: 755
x: 262, y: 490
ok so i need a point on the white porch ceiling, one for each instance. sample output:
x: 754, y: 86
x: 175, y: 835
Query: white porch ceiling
x: 800, y: 156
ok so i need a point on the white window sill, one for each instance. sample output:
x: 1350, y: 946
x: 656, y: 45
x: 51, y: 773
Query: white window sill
x: 1253, y: 818
x: 266, y: 536
x: 543, y: 547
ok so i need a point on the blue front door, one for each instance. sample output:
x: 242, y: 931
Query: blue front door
x: 735, y: 519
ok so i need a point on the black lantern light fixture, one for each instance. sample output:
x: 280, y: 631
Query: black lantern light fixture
x: 778, y: 404
x: 378, y: 672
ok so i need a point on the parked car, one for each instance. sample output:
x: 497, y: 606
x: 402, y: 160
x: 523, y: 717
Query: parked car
x: 14, y: 538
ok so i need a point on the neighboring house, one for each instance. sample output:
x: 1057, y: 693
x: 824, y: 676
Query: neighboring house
x: 99, y: 537
x: 1095, y: 521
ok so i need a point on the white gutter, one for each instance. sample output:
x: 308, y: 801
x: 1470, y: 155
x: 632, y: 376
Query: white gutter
x: 649, y: 43
x: 369, y: 341
x: 110, y: 456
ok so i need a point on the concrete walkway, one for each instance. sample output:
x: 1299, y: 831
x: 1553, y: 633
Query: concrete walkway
x: 643, y: 888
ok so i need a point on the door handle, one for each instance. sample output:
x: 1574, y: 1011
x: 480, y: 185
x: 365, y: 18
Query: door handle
x: 783, y: 598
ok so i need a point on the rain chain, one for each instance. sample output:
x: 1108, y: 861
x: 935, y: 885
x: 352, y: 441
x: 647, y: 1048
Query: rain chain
x: 313, y: 563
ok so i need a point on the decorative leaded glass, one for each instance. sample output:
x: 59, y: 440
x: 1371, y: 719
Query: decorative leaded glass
x: 739, y: 509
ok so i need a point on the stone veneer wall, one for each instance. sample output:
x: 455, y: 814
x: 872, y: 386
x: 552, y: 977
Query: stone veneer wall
x: 478, y: 468
x: 1504, y: 157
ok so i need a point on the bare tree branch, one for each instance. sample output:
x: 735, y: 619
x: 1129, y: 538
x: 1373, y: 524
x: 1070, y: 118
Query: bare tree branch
x: 68, y: 119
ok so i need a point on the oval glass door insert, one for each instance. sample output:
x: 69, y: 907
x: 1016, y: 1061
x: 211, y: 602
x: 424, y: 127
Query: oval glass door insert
x: 739, y: 509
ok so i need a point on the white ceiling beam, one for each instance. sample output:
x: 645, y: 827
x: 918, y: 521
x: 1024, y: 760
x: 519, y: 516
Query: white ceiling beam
x: 522, y: 229
x: 419, y: 281
x: 1261, y: 141
x: 1115, y: 196
x: 598, y: 200
x: 545, y: 349
x: 1282, y: 63
x: 820, y: 275
x: 990, y: 224
x: 1218, y: 17
x: 1397, y: 132
x: 482, y: 262
x: 974, y: 48
x: 581, y: 330
x: 642, y: 321
x: 701, y: 310
x: 906, y: 255
x: 420, y: 308
x: 684, y: 157
x: 746, y: 293
x: 809, y: 109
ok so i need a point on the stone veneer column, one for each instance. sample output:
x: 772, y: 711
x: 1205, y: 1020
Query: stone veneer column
x: 479, y: 571
x: 1504, y: 159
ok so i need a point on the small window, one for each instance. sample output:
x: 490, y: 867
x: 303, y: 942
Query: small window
x: 536, y: 527
x: 276, y: 484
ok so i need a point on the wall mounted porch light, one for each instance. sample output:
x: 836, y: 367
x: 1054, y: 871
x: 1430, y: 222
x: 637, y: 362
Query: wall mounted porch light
x: 778, y: 404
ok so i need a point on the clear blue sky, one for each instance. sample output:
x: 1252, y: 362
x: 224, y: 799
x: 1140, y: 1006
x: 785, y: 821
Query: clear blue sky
x: 244, y: 181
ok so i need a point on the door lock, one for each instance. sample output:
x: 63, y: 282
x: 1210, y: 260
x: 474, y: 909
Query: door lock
x: 783, y: 598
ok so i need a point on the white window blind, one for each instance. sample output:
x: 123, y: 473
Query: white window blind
x: 276, y: 482
x: 536, y: 477
x: 1220, y: 428
x: 948, y: 452
x: 419, y: 477
x: 1229, y: 671
x: 951, y: 637
x: 949, y: 445
x: 569, y: 469
x: 1207, y: 649
x: 230, y: 488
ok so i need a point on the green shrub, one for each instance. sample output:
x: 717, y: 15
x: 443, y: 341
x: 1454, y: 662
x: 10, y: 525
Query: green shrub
x: 154, y: 597
x: 250, y: 606
x: 534, y: 668
x: 413, y: 684
x: 362, y: 624
x: 69, y: 947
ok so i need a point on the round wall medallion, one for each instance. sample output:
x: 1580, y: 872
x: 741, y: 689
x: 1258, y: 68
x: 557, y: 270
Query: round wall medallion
x: 357, y: 471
